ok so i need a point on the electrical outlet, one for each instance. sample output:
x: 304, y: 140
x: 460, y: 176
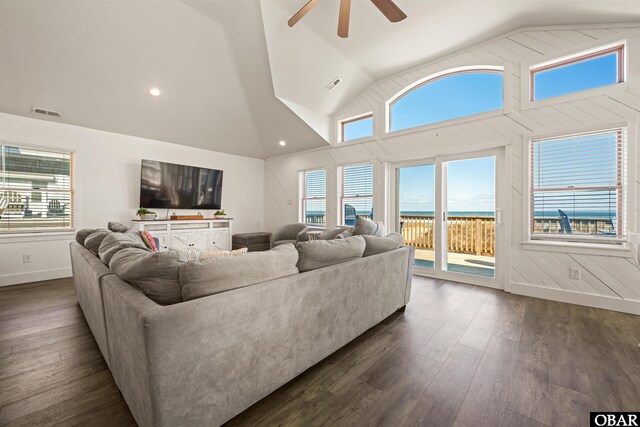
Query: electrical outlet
x: 574, y: 273
x: 26, y: 258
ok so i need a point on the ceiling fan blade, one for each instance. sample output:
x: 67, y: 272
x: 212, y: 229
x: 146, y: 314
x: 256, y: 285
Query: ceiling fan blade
x: 343, y: 20
x: 390, y: 10
x: 303, y: 11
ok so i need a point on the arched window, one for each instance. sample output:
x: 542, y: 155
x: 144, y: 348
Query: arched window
x: 446, y: 95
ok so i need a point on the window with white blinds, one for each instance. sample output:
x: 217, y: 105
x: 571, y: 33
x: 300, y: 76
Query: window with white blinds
x: 355, y: 192
x: 36, y: 189
x: 578, y: 187
x: 313, y: 201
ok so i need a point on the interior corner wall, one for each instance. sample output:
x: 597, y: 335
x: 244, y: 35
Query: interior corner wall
x: 611, y: 282
x: 107, y: 184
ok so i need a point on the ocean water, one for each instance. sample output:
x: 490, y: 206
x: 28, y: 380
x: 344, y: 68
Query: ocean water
x: 548, y: 214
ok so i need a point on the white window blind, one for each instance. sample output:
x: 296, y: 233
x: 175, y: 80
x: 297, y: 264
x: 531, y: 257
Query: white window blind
x: 356, y: 192
x: 578, y: 186
x: 36, y: 189
x: 314, y: 197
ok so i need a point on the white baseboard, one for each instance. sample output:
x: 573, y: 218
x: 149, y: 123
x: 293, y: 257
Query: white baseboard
x: 596, y: 301
x: 34, y: 276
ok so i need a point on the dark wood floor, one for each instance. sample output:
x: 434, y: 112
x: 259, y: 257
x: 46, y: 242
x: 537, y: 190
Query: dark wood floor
x: 458, y: 356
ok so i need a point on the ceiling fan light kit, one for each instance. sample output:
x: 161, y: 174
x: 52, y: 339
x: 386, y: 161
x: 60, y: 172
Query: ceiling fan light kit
x: 387, y: 7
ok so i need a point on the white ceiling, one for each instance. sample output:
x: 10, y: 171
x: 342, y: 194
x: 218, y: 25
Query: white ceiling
x: 305, y: 58
x: 96, y: 60
x: 234, y: 77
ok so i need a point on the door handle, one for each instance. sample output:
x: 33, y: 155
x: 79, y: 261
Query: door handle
x: 499, y: 216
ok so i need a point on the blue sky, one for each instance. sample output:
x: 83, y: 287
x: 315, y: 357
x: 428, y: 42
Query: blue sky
x: 576, y: 77
x: 448, y: 98
x: 470, y: 186
x: 358, y: 129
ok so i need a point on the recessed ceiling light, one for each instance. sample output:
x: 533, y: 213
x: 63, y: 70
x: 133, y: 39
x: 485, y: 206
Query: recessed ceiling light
x: 282, y: 143
x: 154, y: 91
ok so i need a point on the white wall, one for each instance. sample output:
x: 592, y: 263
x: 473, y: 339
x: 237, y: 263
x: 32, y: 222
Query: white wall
x: 107, y: 183
x: 607, y: 281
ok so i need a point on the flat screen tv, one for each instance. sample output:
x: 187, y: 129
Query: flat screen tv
x: 171, y: 186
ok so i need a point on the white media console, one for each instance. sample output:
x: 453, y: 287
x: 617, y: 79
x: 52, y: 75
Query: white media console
x: 201, y: 234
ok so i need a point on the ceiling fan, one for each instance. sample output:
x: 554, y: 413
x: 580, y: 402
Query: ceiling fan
x: 387, y: 7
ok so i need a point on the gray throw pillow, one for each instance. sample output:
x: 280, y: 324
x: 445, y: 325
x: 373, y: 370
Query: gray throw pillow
x: 347, y: 232
x: 93, y: 240
x: 114, y: 243
x: 82, y: 235
x: 210, y: 276
x: 377, y: 244
x: 368, y: 227
x: 117, y: 227
x: 154, y: 273
x: 332, y: 234
x: 322, y: 253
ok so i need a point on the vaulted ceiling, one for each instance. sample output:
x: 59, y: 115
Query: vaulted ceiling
x: 234, y: 77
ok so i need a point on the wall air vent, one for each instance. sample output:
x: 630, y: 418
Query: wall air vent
x: 333, y: 84
x: 43, y: 112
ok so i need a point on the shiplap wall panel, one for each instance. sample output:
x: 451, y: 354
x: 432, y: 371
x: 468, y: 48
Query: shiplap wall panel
x: 606, y: 276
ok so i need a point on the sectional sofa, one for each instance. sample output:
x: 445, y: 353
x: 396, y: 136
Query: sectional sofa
x: 240, y: 331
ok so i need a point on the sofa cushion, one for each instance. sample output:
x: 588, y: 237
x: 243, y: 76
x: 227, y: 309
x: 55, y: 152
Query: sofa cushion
x: 368, y: 227
x: 347, y: 232
x: 322, y: 253
x: 332, y: 234
x: 377, y: 244
x: 194, y: 254
x: 213, y: 275
x: 283, y: 242
x: 93, y: 240
x: 154, y: 273
x: 251, y: 238
x: 117, y: 227
x: 114, y: 243
x: 82, y: 235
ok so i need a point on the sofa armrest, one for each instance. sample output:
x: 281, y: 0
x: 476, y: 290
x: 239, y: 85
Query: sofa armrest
x: 127, y: 313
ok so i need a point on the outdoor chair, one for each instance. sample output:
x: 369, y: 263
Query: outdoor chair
x: 565, y: 224
x: 349, y: 215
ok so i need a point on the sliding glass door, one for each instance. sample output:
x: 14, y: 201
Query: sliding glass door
x: 448, y: 209
x: 470, y: 216
x: 416, y: 207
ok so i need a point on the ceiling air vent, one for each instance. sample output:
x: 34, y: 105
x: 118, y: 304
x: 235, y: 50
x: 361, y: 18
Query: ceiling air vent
x: 333, y: 84
x: 44, y: 112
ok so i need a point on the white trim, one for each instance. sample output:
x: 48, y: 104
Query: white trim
x: 445, y: 123
x: 35, y: 276
x: 588, y: 300
x: 577, y: 248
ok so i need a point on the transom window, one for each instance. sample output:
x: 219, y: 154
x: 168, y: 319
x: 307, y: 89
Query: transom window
x: 313, y: 200
x: 446, y: 96
x: 36, y: 189
x: 355, y: 192
x: 585, y: 71
x: 578, y: 187
x: 356, y: 128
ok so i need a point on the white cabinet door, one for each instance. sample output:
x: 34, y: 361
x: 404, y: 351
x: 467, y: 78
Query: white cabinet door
x: 200, y: 241
x: 180, y: 241
x: 219, y: 240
